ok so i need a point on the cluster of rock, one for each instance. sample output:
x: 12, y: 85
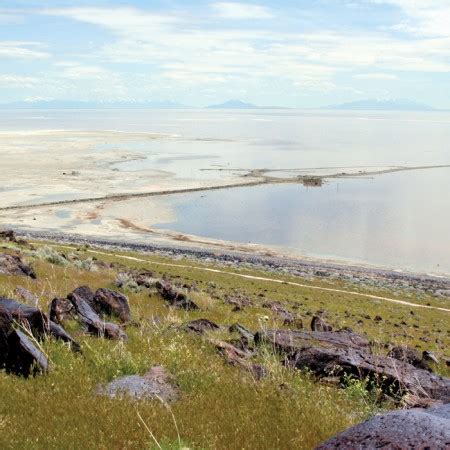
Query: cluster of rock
x: 328, y: 354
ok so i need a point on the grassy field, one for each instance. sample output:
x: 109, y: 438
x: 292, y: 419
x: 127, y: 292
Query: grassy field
x: 221, y: 407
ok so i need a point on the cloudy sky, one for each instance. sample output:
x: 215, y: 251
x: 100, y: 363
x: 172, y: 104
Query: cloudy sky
x: 298, y: 53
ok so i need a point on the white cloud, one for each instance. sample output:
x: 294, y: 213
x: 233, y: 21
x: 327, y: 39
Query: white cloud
x: 22, y: 50
x: 174, y: 51
x: 424, y: 17
x: 79, y: 71
x: 18, y: 80
x: 376, y: 76
x: 239, y: 11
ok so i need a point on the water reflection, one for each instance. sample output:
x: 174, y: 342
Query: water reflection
x: 395, y: 220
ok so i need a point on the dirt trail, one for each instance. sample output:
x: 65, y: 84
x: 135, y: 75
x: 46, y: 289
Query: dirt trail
x: 271, y: 280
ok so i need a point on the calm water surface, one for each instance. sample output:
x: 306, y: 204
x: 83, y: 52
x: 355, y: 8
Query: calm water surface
x: 394, y: 220
x: 399, y: 220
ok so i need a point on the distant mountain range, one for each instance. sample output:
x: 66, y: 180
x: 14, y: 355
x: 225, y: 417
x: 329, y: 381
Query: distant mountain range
x: 381, y: 105
x: 168, y: 104
x: 238, y: 104
x: 378, y: 105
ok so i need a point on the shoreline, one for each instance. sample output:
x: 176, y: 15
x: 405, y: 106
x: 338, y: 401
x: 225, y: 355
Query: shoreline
x: 289, y: 265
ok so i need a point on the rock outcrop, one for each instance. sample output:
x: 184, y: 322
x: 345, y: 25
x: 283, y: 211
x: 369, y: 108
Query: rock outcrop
x: 36, y: 322
x: 175, y: 297
x: 91, y: 320
x: 393, y: 376
x: 18, y: 354
x: 106, y: 301
x: 200, y: 326
x: 289, y: 341
x: 408, y: 429
x: 13, y: 265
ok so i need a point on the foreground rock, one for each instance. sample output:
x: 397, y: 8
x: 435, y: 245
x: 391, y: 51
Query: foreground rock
x: 111, y: 302
x: 155, y: 384
x: 36, y: 322
x: 409, y: 355
x: 240, y: 358
x: 90, y: 319
x: 393, y: 376
x: 288, y: 341
x: 18, y: 354
x: 200, y: 326
x: 13, y: 265
x: 175, y: 297
x: 61, y: 309
x: 410, y: 429
x: 339, y: 353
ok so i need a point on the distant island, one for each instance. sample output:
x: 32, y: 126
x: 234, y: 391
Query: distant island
x: 381, y: 105
x: 238, y: 104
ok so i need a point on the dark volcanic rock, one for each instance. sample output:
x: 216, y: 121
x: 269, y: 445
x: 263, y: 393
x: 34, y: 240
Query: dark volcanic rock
x: 175, y: 297
x: 238, y: 357
x: 92, y: 322
x: 288, y: 341
x: 110, y: 302
x: 13, y: 265
x: 29, y: 317
x: 410, y: 429
x: 200, y: 326
x: 318, y: 324
x: 393, y: 376
x: 61, y: 309
x: 8, y: 235
x: 18, y: 354
x: 409, y: 355
x: 155, y: 384
x: 37, y: 322
x: 85, y: 293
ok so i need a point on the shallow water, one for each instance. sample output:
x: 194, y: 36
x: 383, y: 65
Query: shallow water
x: 398, y: 220
x: 394, y: 220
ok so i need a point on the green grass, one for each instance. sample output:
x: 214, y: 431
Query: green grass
x: 221, y: 407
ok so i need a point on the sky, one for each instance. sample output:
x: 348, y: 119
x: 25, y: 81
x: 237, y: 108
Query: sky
x: 293, y: 53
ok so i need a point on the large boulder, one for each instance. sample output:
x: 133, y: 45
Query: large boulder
x: 110, y: 302
x: 408, y: 429
x: 409, y: 355
x: 240, y: 358
x: 18, y: 354
x: 91, y: 321
x: 61, y: 309
x: 36, y: 322
x: 200, y: 326
x: 155, y: 384
x: 288, y: 341
x: 175, y: 297
x: 394, y: 376
x: 13, y: 265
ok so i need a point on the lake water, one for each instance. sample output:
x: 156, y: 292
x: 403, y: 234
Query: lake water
x: 394, y: 220
x: 399, y: 220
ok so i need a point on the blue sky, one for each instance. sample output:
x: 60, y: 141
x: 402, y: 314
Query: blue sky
x: 282, y: 52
